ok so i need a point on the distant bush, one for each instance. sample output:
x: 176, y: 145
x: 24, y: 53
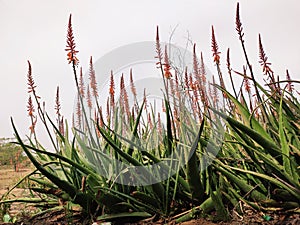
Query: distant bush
x: 10, y: 153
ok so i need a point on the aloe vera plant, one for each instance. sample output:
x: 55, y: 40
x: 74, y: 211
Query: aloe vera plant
x: 206, y: 157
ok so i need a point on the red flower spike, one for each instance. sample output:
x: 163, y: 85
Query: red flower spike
x: 92, y: 78
x: 186, y: 80
x: 158, y: 49
x: 132, y: 86
x: 33, y: 123
x: 89, y: 98
x: 81, y: 84
x: 30, y: 107
x: 195, y: 63
x: 238, y: 23
x: 214, y: 45
x: 159, y: 125
x: 202, y: 70
x: 167, y: 67
x: 290, y: 86
x: 70, y: 48
x: 78, y: 112
x: 30, y: 81
x: 62, y: 126
x: 246, y: 82
x: 112, y: 89
x: 263, y: 60
x: 215, y: 96
x: 31, y: 85
x: 57, y: 102
x: 124, y: 96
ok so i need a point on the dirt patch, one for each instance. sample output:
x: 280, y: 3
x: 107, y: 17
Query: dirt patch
x: 9, y: 177
x: 251, y: 218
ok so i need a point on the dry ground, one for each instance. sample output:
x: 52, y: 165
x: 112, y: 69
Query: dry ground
x: 8, y: 177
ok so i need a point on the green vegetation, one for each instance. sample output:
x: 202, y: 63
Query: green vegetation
x: 10, y: 153
x: 244, y: 152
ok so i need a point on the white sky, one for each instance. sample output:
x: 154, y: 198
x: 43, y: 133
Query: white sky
x: 36, y: 30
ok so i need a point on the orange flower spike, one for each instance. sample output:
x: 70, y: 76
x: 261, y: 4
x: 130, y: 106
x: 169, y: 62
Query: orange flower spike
x: 78, y: 112
x: 108, y: 110
x: 192, y: 84
x: 89, y: 98
x: 263, y: 59
x: 290, y: 86
x: 101, y: 122
x: 145, y: 100
x: 202, y: 70
x: 30, y: 107
x: 31, y: 85
x: 92, y: 78
x: 57, y: 106
x: 159, y: 125
x: 112, y: 89
x: 195, y: 63
x: 215, y: 95
x: 168, y: 74
x: 112, y: 84
x: 186, y: 80
x: 163, y: 106
x: 167, y: 69
x: 132, y: 86
x: 214, y: 45
x: 150, y: 121
x: 238, y: 23
x: 81, y: 84
x: 158, y: 49
x: 61, y: 126
x: 124, y: 96
x: 30, y: 81
x: 31, y: 128
x: 70, y: 48
x: 33, y: 123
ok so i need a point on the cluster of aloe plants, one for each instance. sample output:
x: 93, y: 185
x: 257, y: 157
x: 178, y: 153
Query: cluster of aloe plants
x: 218, y: 152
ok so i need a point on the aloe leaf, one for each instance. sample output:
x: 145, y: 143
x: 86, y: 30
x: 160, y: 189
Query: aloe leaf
x: 238, y: 196
x: 61, y: 183
x: 134, y: 131
x: 130, y: 198
x: 273, y: 180
x: 193, y: 176
x: 257, y: 137
x: 122, y: 153
x: 222, y: 213
x: 283, y: 141
x: 143, y: 197
x: 24, y: 200
x: 250, y: 120
x: 242, y: 184
x: 207, y: 206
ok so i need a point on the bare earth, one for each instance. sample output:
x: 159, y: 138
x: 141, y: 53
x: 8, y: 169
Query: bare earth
x: 8, y: 177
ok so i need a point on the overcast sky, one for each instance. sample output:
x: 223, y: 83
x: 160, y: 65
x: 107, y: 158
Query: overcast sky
x: 36, y: 30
